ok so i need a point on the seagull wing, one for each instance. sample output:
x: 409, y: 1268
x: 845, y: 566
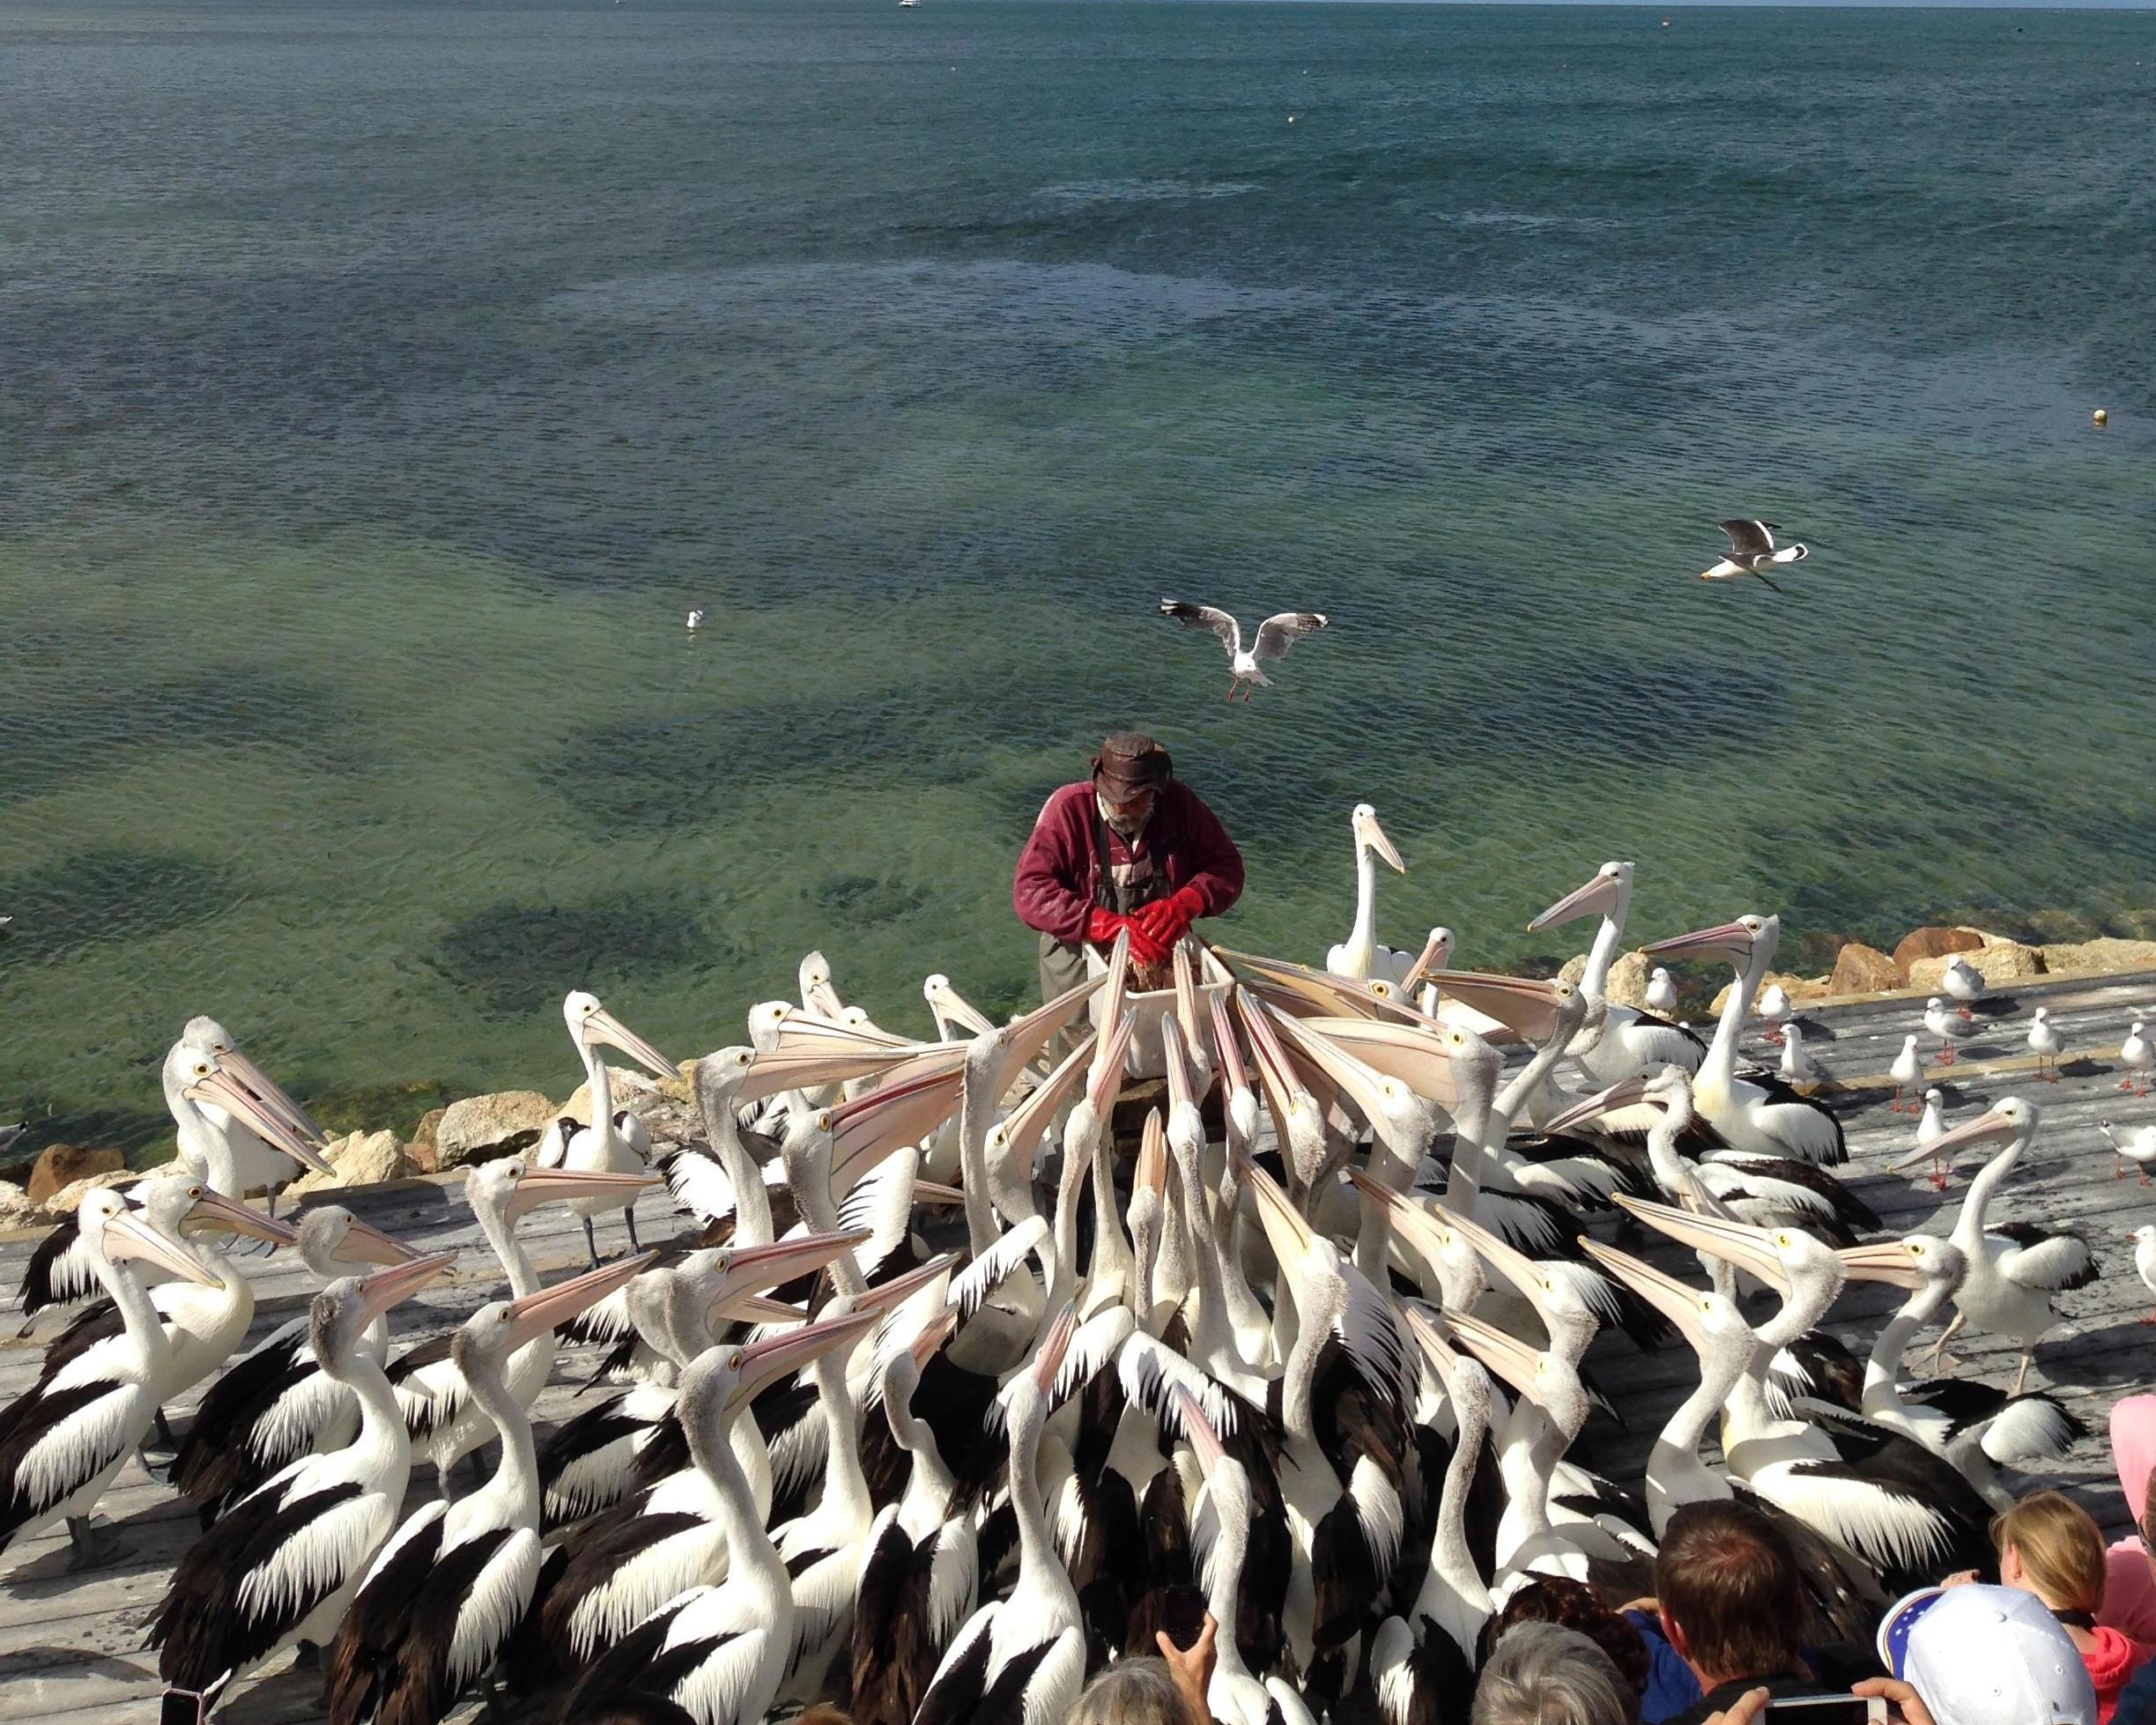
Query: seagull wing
x: 1749, y: 538
x: 1229, y: 632
x: 1276, y: 634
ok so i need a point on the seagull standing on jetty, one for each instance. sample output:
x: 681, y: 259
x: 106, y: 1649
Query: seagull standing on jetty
x: 2137, y: 1054
x: 1274, y: 635
x: 2145, y: 1259
x: 1662, y: 995
x: 2045, y: 1044
x: 1948, y: 1025
x: 1751, y: 552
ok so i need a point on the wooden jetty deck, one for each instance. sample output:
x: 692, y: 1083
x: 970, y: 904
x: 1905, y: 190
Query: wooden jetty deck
x: 71, y: 1645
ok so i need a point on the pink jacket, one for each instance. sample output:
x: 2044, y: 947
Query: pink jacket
x: 2129, y: 1586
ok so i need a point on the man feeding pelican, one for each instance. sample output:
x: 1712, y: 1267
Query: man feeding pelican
x: 1130, y: 846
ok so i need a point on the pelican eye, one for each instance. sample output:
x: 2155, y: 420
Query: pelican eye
x: 194, y: 1191
x: 503, y: 1315
x: 738, y: 1360
x: 202, y: 1069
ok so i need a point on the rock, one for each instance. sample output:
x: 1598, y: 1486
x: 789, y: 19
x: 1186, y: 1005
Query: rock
x: 1932, y: 944
x: 63, y: 1204
x: 481, y: 1128
x: 1627, y: 983
x: 1864, y: 970
x: 2002, y: 962
x: 62, y: 1165
x: 421, y: 1152
x: 2105, y: 954
x: 1573, y: 969
x: 16, y: 1210
x: 633, y: 1089
x: 1802, y: 990
x: 360, y: 1158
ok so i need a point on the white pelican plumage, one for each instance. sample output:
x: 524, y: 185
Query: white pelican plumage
x: 1616, y: 1041
x: 63, y: 1440
x: 1274, y: 635
x: 1360, y: 957
x: 269, y: 1136
x: 1753, y: 1113
x: 614, y: 1143
x: 281, y: 1566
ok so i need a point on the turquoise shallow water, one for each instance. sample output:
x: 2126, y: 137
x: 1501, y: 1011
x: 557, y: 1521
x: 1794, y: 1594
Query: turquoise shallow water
x: 380, y: 387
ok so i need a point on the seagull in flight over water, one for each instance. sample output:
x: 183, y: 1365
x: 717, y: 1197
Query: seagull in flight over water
x: 1752, y: 552
x: 1274, y: 635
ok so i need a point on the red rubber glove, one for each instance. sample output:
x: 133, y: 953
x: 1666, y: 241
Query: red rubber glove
x: 1168, y: 920
x: 1103, y: 925
x: 1145, y: 952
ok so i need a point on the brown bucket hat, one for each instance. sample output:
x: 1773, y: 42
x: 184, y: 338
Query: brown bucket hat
x: 1130, y: 762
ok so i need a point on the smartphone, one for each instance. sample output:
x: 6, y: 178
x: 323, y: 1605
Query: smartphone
x: 1829, y: 1710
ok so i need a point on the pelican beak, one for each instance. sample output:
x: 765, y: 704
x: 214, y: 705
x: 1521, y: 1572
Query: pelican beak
x: 1435, y: 952
x: 1597, y: 898
x: 1686, y: 1307
x: 603, y: 1027
x: 1435, y: 1348
x: 752, y: 1269
x: 1179, y: 1096
x: 1150, y: 1172
x: 889, y: 1296
x: 1374, y: 835
x: 890, y: 1118
x: 128, y: 1235
x: 1023, y: 1128
x: 1731, y: 942
x: 947, y: 1000
x: 1049, y: 1361
x: 1030, y: 1034
x: 1887, y: 1260
x: 807, y: 1057
x: 1625, y: 1093
x: 1283, y: 1090
x: 537, y: 1314
x: 1105, y: 1081
x: 1198, y: 1430
x: 389, y: 1287
x: 817, y: 995
x: 1750, y: 1249
x: 1514, y: 1266
x: 540, y: 1186
x: 1992, y: 1127
x: 932, y: 1336
x: 935, y: 1192
x: 219, y: 1088
x: 1226, y: 1050
x: 364, y: 1243
x: 1511, y: 1358
x: 271, y: 1092
x: 1186, y: 994
x: 1409, y: 1220
x: 1530, y: 1010
x: 764, y: 1363
x: 1365, y: 1088
x: 214, y: 1210
x: 1290, y: 1235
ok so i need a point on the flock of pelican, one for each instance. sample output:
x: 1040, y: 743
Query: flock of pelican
x: 940, y: 1403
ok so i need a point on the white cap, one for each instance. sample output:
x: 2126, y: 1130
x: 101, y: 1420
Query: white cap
x: 1982, y: 1655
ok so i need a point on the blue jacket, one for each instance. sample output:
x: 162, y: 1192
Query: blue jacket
x: 1671, y: 1686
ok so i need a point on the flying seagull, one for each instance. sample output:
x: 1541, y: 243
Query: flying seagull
x: 1751, y: 552
x: 1274, y: 635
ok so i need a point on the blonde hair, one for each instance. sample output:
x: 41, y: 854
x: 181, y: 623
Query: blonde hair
x: 2061, y: 1552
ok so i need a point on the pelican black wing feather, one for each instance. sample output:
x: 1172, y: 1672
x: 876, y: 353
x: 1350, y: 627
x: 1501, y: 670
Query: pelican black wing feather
x: 201, y: 1631
x: 58, y: 1273
x: 373, y: 1651
x: 218, y: 1457
x: 892, y: 1655
x: 596, y: 1555
x: 26, y: 1425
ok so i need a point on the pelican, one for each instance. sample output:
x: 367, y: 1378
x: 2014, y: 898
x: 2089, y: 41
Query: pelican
x: 1907, y: 1072
x: 1274, y: 635
x: 1616, y: 1041
x: 2137, y: 1147
x: 1661, y: 992
x: 1949, y: 1026
x: 1019, y: 1660
x: 2137, y: 1056
x: 1754, y: 1112
x: 442, y: 1416
x: 1360, y: 957
x: 1753, y: 551
x: 63, y: 1440
x: 718, y: 1652
x: 280, y: 1566
x: 261, y: 1133
x: 2145, y: 1259
x: 439, y: 1602
x: 2045, y: 1044
x: 2015, y: 1270
x: 277, y: 1404
x: 613, y: 1143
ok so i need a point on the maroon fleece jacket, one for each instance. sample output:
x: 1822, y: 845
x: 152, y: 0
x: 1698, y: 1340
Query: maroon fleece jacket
x: 1057, y: 882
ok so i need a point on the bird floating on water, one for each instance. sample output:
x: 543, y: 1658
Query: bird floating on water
x: 1274, y: 635
x: 1752, y: 552
x: 696, y: 618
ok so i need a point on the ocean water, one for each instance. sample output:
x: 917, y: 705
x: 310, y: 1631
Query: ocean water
x: 380, y: 385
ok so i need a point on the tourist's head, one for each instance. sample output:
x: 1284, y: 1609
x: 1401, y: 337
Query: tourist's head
x: 1732, y: 1604
x: 2047, y: 1545
x: 1573, y: 1604
x: 1544, y: 1674
x: 1982, y: 1655
x: 1131, y: 1691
